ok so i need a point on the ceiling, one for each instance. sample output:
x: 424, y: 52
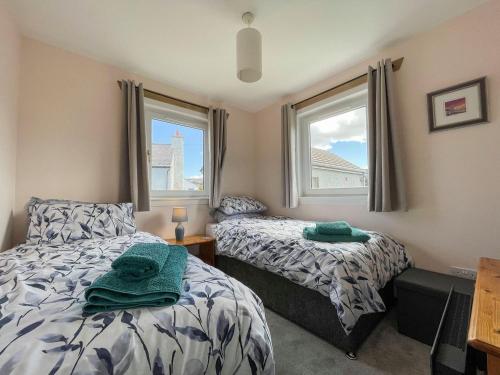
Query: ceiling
x: 191, y: 44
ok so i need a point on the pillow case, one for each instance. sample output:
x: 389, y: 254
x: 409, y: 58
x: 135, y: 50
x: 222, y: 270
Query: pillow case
x: 232, y: 205
x: 33, y: 201
x: 220, y: 216
x: 57, y: 222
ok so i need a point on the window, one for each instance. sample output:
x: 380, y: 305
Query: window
x: 333, y: 146
x: 178, y: 152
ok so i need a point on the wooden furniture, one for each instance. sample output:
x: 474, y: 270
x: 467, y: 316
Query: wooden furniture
x: 199, y: 245
x: 484, y: 329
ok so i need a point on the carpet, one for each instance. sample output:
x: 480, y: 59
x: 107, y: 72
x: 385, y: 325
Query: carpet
x: 298, y: 352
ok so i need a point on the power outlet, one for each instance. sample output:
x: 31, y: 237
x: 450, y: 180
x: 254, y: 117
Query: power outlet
x: 464, y: 273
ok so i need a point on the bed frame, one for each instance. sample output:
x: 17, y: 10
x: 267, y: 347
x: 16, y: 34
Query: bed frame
x: 303, y: 306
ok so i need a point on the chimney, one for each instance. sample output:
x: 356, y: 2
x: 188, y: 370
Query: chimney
x: 178, y: 161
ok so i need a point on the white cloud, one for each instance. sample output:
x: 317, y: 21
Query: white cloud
x: 349, y: 126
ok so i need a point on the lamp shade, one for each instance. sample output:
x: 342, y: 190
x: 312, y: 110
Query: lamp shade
x: 179, y: 214
x: 249, y: 54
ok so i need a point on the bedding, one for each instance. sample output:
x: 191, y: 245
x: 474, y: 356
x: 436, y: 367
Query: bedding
x: 57, y: 222
x: 217, y: 327
x: 350, y: 274
x: 232, y: 205
x: 220, y: 216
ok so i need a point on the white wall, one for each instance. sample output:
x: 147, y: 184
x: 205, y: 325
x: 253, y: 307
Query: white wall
x: 72, y: 142
x: 454, y: 213
x: 328, y: 178
x: 9, y: 77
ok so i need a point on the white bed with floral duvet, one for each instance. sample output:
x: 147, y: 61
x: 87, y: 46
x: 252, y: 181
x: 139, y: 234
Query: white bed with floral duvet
x: 217, y: 327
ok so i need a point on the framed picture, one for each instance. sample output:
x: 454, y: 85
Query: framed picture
x: 459, y: 105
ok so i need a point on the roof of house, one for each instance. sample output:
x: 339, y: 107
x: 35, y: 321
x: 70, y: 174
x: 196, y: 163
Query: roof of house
x: 325, y: 159
x: 161, y: 155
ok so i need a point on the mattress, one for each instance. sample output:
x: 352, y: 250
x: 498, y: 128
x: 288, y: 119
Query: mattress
x: 350, y: 274
x: 43, y: 329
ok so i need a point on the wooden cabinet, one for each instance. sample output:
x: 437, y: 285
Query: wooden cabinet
x: 484, y: 328
x: 200, y: 246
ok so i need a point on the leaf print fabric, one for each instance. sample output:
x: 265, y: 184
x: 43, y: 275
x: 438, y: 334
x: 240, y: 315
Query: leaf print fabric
x: 233, y: 205
x: 350, y: 274
x: 59, y: 222
x: 217, y: 327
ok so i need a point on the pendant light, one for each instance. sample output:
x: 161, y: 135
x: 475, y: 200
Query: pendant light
x: 249, y: 51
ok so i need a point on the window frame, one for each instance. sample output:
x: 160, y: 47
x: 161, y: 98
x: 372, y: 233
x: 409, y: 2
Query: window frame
x: 154, y: 109
x: 345, y: 102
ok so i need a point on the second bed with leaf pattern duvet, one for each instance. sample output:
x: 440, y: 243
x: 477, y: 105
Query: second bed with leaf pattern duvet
x: 217, y: 327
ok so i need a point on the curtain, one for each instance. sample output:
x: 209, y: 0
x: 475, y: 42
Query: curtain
x: 288, y: 155
x: 133, y: 104
x: 385, y: 174
x: 217, y: 119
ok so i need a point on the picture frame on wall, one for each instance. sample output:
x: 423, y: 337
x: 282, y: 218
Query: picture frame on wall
x: 460, y: 105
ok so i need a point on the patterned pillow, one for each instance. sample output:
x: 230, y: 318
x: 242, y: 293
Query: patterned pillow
x: 220, y: 216
x: 33, y: 201
x: 232, y: 205
x: 57, y: 222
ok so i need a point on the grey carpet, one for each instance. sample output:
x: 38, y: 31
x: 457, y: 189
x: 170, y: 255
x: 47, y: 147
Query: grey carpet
x: 298, y: 352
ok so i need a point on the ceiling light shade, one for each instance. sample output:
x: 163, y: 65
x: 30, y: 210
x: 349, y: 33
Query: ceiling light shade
x: 249, y: 52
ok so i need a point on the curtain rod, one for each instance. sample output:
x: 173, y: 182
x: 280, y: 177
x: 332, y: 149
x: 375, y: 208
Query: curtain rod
x: 359, y: 80
x: 171, y: 100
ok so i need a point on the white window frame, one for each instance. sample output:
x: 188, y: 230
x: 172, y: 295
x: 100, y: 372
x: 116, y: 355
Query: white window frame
x: 345, y: 102
x: 184, y: 117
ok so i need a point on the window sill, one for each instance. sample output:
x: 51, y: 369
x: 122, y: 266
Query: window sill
x: 178, y: 201
x: 333, y: 199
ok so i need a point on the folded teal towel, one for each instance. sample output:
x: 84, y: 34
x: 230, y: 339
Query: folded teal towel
x: 110, y: 292
x: 334, y: 227
x: 141, y: 261
x: 357, y: 235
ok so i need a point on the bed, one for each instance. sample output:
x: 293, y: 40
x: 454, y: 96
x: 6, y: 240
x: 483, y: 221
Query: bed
x: 217, y: 327
x: 337, y: 291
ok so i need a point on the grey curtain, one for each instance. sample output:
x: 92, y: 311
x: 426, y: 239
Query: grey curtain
x: 288, y: 156
x: 385, y: 174
x: 133, y: 104
x: 217, y: 119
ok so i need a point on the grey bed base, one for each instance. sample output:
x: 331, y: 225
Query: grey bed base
x: 305, y: 307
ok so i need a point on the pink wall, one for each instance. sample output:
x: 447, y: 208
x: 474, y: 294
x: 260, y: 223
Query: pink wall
x: 9, y: 79
x: 72, y: 141
x: 453, y: 176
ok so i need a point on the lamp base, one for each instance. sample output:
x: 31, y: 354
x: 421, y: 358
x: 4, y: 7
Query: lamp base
x: 179, y: 232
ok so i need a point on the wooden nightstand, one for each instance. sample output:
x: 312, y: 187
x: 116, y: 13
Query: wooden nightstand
x: 205, y: 247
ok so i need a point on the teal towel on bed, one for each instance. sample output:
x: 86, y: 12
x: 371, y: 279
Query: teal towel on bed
x: 141, y: 261
x: 334, y: 227
x: 110, y: 292
x: 357, y: 235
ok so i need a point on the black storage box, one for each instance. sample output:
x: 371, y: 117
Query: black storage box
x: 422, y: 296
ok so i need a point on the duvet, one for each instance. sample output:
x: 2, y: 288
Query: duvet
x: 217, y: 327
x: 350, y: 274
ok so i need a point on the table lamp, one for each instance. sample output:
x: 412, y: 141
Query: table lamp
x: 179, y: 215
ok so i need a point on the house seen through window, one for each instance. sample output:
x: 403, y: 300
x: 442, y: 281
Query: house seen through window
x: 338, y: 151
x: 176, y: 157
x: 334, y: 147
x: 178, y: 154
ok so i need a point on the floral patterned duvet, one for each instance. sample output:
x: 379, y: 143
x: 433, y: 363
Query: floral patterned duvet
x: 350, y: 274
x: 217, y: 327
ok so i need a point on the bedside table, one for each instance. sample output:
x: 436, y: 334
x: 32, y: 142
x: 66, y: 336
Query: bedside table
x: 205, y: 244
